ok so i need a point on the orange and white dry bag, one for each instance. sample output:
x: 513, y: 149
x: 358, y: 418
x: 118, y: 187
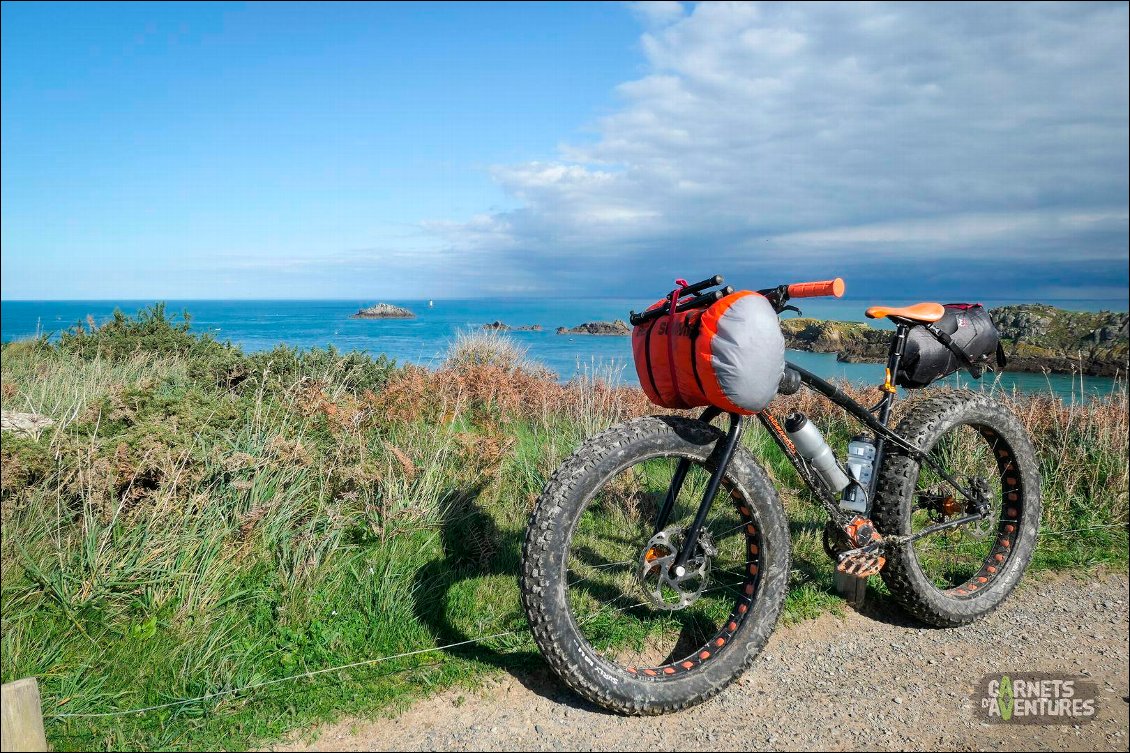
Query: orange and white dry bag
x: 730, y: 354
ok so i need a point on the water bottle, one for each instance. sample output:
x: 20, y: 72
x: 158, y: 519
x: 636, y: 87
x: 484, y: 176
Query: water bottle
x: 860, y: 467
x: 812, y: 447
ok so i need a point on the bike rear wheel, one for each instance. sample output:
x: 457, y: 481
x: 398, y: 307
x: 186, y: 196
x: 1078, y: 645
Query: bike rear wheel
x: 619, y: 631
x: 954, y: 577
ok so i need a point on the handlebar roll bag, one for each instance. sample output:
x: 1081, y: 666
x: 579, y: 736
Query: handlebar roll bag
x: 730, y: 354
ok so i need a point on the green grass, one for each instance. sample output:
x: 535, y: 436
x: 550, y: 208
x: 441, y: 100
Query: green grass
x: 198, y: 520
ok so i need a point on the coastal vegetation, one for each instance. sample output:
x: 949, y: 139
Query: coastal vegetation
x: 1039, y: 337
x: 195, y: 519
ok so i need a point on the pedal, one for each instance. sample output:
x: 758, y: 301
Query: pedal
x: 861, y: 565
x: 855, y: 566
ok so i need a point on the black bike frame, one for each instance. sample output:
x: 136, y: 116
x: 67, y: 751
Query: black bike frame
x: 879, y: 425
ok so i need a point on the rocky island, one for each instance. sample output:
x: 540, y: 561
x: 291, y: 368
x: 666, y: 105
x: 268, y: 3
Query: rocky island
x: 383, y: 311
x: 618, y: 327
x: 501, y: 326
x: 1036, y: 338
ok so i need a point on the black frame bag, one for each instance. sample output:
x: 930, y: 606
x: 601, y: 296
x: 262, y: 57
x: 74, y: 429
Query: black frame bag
x: 963, y: 338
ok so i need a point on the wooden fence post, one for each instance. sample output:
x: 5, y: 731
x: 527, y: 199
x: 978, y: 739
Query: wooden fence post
x: 21, y: 721
x: 853, y: 589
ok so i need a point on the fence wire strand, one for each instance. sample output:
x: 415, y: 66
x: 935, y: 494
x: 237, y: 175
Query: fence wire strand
x: 381, y: 659
x: 303, y: 675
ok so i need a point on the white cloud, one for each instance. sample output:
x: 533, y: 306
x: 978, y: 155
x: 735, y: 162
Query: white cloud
x: 985, y: 130
x: 658, y: 12
x: 963, y: 229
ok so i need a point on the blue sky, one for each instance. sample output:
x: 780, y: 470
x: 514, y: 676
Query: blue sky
x: 457, y: 150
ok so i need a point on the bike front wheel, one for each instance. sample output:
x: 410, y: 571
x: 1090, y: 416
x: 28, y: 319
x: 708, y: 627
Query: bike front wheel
x: 605, y: 604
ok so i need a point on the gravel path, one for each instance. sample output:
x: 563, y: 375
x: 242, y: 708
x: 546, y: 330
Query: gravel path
x: 874, y: 681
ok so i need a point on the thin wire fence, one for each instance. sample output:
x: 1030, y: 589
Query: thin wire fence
x: 303, y: 675
x: 381, y: 659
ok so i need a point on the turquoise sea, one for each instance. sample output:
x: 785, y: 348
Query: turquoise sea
x: 261, y: 325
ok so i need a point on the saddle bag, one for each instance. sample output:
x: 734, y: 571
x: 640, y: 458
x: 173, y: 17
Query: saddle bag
x: 730, y: 354
x: 963, y: 338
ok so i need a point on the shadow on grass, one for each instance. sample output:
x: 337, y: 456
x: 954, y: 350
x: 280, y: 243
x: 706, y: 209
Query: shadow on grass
x: 476, y: 548
x: 817, y: 568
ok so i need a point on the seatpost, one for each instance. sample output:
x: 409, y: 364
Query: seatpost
x: 894, y: 358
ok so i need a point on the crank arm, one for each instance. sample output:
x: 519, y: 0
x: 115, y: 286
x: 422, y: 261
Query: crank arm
x: 874, y: 546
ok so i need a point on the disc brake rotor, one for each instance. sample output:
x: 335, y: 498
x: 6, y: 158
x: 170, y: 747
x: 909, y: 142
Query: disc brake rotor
x: 663, y: 587
x: 986, y: 526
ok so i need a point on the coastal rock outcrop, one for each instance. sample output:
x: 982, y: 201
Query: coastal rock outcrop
x: 383, y: 311
x: 618, y: 327
x: 1036, y: 338
x: 500, y: 326
x: 850, y: 341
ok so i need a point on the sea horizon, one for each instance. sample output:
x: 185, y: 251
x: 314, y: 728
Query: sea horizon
x: 1123, y: 302
x: 257, y: 325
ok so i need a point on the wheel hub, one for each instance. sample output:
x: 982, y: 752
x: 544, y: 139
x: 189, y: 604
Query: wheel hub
x: 981, y: 493
x: 666, y: 586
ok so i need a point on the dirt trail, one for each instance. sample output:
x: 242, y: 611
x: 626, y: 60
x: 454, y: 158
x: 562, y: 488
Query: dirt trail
x: 873, y: 681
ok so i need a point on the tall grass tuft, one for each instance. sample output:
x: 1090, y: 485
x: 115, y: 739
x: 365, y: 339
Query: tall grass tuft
x: 471, y: 349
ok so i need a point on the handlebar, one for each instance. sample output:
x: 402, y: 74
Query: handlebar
x: 708, y: 283
x: 780, y: 295
x: 814, y: 289
x: 698, y: 301
x: 687, y: 300
x: 691, y: 296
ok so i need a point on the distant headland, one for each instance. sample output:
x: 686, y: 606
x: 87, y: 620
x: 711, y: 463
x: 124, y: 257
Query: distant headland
x: 617, y: 327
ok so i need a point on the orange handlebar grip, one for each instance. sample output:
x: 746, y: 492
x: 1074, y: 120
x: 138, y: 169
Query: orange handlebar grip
x: 813, y: 289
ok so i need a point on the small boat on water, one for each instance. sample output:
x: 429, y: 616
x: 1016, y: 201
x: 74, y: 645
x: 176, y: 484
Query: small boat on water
x: 431, y: 304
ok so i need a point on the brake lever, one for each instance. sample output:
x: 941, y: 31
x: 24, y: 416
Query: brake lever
x: 790, y: 308
x: 777, y: 296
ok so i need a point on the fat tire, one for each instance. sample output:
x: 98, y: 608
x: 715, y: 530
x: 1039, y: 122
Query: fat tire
x: 542, y: 579
x: 923, y: 425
